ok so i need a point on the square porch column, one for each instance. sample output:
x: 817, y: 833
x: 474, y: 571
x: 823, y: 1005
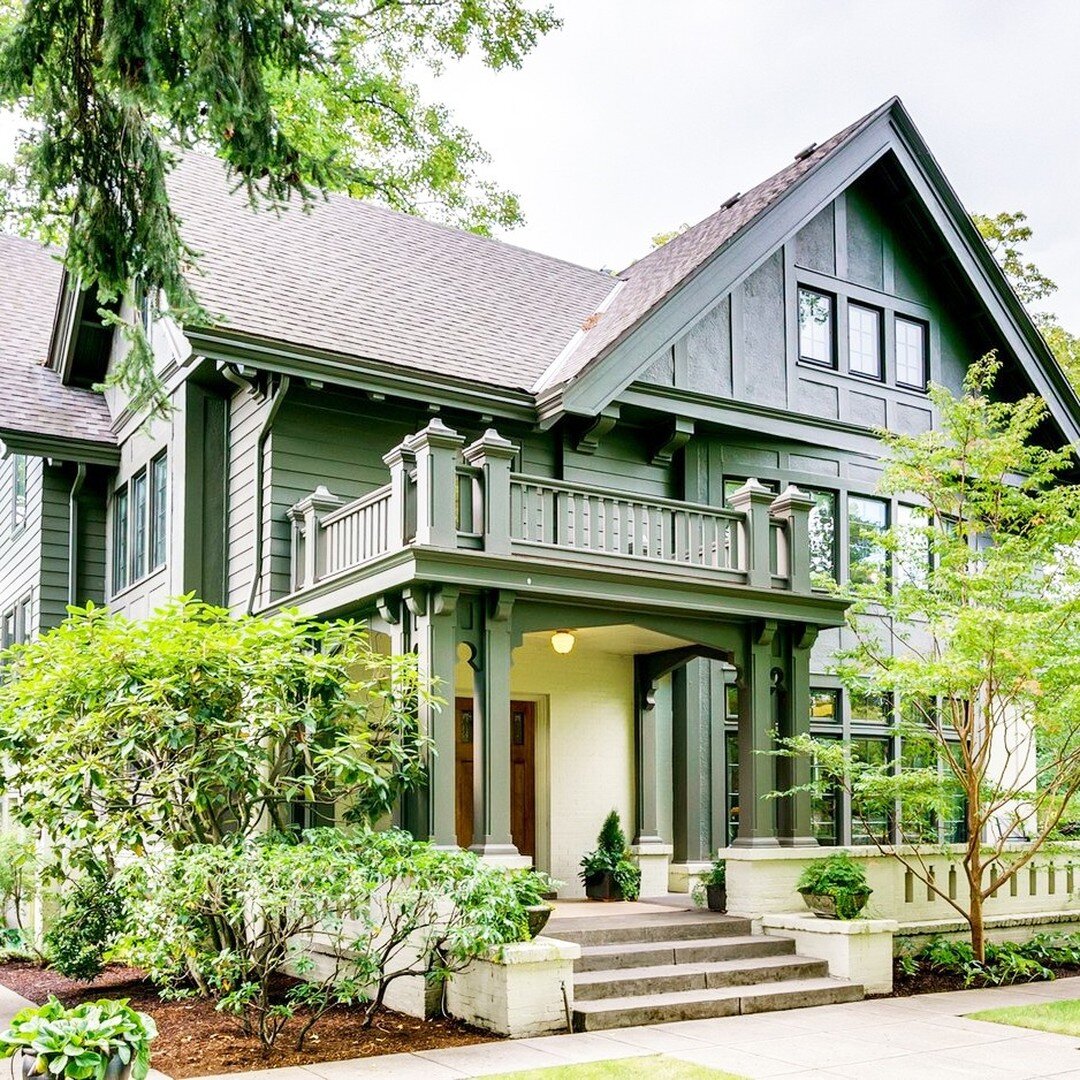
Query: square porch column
x: 796, y: 820
x: 757, y: 772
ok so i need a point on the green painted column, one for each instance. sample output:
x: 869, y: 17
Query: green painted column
x: 691, y: 762
x: 435, y: 640
x: 757, y: 815
x: 754, y: 500
x: 491, y: 731
x: 493, y: 456
x: 436, y: 449
x: 647, y: 722
x: 796, y: 824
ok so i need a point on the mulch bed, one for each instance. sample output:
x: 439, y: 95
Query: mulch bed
x: 196, y: 1040
x: 926, y: 981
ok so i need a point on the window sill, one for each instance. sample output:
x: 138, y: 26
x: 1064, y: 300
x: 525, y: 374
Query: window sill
x: 133, y: 586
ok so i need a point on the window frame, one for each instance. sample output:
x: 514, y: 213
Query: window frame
x: 121, y: 539
x: 924, y: 330
x: 20, y: 485
x: 814, y: 493
x: 139, y: 531
x: 879, y: 315
x: 830, y: 364
x: 157, y: 538
x: 849, y: 519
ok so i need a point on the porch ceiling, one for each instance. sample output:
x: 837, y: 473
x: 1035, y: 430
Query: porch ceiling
x: 623, y: 639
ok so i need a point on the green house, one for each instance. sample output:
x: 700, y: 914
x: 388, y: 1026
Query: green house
x: 594, y: 505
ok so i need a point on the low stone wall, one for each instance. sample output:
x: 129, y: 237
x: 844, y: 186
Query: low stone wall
x: 860, y: 950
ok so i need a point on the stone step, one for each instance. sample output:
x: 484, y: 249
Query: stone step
x: 667, y: 978
x: 702, y: 1004
x: 701, y: 950
x: 619, y: 929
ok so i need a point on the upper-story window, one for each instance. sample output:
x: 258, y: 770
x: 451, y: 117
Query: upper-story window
x: 120, y: 540
x: 18, y: 491
x: 823, y: 532
x: 140, y: 524
x: 139, y: 508
x: 159, y: 501
x: 912, y: 369
x: 864, y: 341
x: 816, y: 327
x: 868, y: 519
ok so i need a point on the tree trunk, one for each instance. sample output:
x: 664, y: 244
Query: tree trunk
x: 975, y: 913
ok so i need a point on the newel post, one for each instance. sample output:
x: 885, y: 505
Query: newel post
x: 401, y: 461
x: 793, y: 507
x: 436, y: 449
x: 493, y: 456
x: 308, y: 557
x: 754, y: 500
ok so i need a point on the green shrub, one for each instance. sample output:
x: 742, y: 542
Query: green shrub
x: 77, y: 942
x: 715, y: 875
x: 532, y: 887
x: 612, y: 856
x: 1006, y: 962
x: 839, y: 876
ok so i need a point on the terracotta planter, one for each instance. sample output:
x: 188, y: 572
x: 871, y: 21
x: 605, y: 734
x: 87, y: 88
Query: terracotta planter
x: 116, y: 1069
x: 538, y: 915
x: 603, y: 886
x: 824, y: 906
x: 716, y: 897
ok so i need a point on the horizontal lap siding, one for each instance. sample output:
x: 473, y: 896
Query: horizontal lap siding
x: 56, y: 492
x: 245, y: 416
x: 20, y: 553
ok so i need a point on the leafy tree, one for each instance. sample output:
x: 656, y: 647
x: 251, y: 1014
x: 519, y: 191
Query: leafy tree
x: 196, y: 726
x: 1006, y: 234
x: 973, y: 629
x: 296, y: 96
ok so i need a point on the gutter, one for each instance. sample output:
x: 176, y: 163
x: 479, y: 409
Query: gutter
x: 73, y: 532
x: 260, y: 453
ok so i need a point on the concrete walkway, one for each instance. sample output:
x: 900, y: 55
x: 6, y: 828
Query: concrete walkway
x: 917, y: 1038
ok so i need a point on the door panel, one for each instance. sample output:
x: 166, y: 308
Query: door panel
x: 463, y: 772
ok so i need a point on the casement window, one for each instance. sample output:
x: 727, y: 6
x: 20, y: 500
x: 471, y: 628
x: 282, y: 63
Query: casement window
x: 824, y: 707
x: 912, y: 559
x: 823, y: 532
x: 869, y: 708
x: 868, y: 519
x: 140, y: 506
x: 817, y: 323
x: 912, y: 351
x: 18, y: 491
x: 159, y: 504
x: 864, y: 342
x: 15, y: 627
x: 826, y: 809
x: 121, y: 547
x: 871, y: 820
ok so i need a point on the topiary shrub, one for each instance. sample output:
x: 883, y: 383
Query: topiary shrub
x: 611, y: 857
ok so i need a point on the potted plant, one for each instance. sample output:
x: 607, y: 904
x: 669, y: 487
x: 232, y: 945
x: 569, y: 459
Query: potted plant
x: 609, y: 873
x: 711, y: 887
x: 834, y: 887
x: 98, y: 1040
x: 532, y: 888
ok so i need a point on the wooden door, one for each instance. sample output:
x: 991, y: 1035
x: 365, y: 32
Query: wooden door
x: 522, y: 773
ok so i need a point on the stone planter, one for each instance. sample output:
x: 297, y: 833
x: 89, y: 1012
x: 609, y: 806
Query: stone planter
x: 603, y: 886
x: 538, y: 915
x: 824, y: 906
x: 716, y: 898
x: 116, y: 1069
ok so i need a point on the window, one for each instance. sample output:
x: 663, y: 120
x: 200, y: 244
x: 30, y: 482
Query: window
x: 825, y: 811
x: 9, y: 633
x: 816, y: 327
x: 868, y: 519
x: 732, y: 747
x: 824, y: 707
x: 823, y: 533
x: 120, y: 540
x: 18, y: 491
x: 139, y: 509
x: 864, y: 341
x: 159, y: 491
x: 870, y: 819
x: 911, y: 350
x: 913, y: 550
x: 869, y: 708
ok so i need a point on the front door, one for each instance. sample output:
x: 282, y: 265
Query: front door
x: 522, y: 774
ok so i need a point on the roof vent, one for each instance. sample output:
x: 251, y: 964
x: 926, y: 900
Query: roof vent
x: 805, y: 152
x: 729, y: 203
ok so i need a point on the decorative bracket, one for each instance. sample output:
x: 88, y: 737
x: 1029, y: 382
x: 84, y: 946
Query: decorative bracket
x: 502, y: 603
x: 764, y: 632
x: 589, y: 440
x: 650, y: 668
x: 415, y: 599
x: 806, y: 636
x: 444, y: 600
x: 678, y: 436
x: 389, y: 608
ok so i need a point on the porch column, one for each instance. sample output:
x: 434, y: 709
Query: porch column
x: 493, y: 456
x: 691, y: 760
x: 435, y: 640
x: 436, y: 449
x: 757, y: 815
x: 754, y: 500
x: 797, y: 823
x: 491, y: 732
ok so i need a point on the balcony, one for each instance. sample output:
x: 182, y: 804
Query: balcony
x: 445, y: 497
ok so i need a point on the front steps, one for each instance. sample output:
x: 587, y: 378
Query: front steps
x: 686, y: 965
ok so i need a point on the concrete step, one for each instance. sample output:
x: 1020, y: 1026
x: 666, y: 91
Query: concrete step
x: 668, y: 978
x: 619, y: 1012
x: 618, y: 929
x: 700, y: 950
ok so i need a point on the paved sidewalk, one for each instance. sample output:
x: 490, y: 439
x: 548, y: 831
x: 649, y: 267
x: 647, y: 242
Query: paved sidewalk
x: 917, y: 1038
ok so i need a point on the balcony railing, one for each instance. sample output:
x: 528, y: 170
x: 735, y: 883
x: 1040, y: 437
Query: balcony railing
x: 445, y: 495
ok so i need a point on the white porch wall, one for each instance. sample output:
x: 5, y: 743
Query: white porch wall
x: 588, y: 699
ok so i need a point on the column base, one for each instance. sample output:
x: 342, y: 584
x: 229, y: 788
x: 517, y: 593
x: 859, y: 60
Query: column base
x: 504, y: 855
x: 799, y: 841
x: 755, y: 842
x: 652, y: 860
x: 682, y: 877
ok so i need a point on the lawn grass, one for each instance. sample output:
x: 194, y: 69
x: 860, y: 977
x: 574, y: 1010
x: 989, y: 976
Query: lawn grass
x: 639, y: 1068
x: 1062, y: 1017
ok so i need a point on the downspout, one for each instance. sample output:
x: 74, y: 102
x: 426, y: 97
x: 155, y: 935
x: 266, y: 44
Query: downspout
x: 260, y: 452
x: 73, y: 533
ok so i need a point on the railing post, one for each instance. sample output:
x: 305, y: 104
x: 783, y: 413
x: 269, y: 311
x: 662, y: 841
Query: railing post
x: 493, y: 456
x: 436, y: 449
x: 400, y: 461
x: 793, y: 507
x: 306, y: 517
x: 754, y: 500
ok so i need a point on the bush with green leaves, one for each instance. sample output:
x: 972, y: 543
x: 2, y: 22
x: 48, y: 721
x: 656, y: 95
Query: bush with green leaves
x: 612, y: 856
x: 1005, y: 962
x: 78, y: 1043
x: 229, y: 918
x: 839, y: 876
x: 716, y: 875
x: 79, y: 939
x: 18, y: 879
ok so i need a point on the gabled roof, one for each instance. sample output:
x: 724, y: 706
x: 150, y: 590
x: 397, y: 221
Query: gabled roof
x: 354, y: 279
x: 34, y: 402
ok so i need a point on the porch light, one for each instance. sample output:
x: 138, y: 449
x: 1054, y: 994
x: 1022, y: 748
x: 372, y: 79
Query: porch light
x: 562, y: 641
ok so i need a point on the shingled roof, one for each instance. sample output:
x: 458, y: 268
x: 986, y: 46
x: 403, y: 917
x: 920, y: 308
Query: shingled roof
x: 34, y: 401
x: 355, y: 279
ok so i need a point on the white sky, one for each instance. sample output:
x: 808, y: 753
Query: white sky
x: 642, y: 114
